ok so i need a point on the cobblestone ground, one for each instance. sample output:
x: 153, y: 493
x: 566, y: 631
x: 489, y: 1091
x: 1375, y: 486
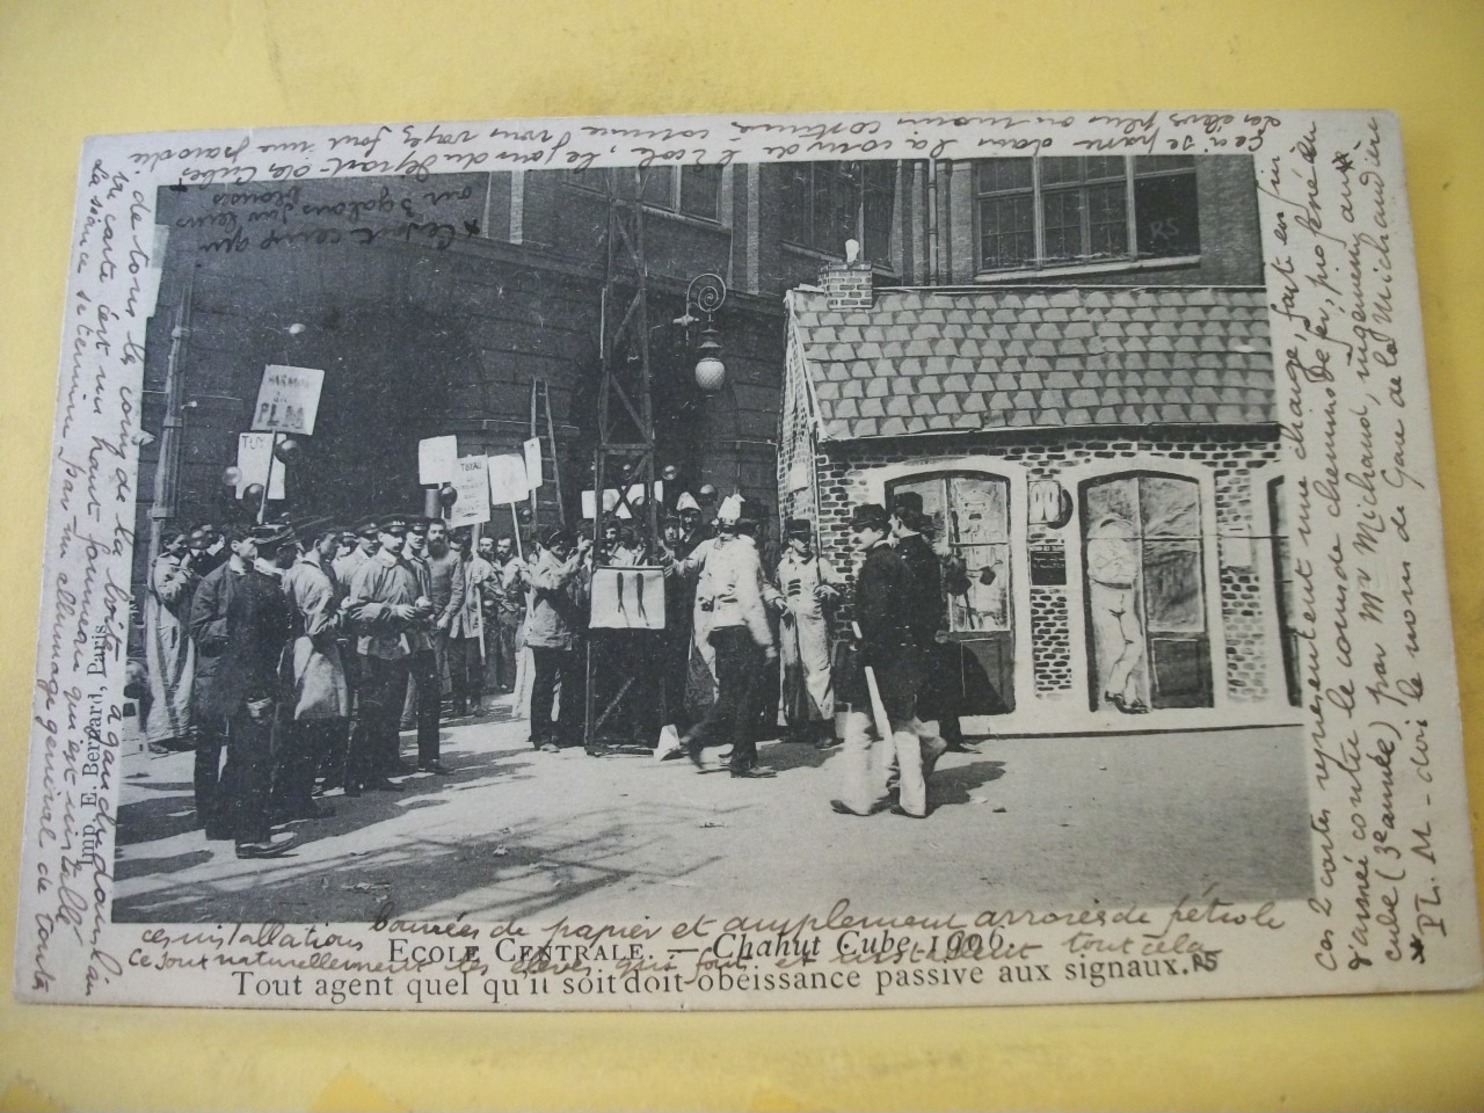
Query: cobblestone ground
x: 1026, y: 822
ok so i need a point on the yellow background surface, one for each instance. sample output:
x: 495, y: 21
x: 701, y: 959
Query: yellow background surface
x: 69, y: 69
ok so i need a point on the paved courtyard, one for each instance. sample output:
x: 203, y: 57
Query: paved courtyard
x: 1035, y: 822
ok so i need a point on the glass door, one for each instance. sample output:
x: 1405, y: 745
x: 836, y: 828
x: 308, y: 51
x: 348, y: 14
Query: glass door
x: 970, y: 523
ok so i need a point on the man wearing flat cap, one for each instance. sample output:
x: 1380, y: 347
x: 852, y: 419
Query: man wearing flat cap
x: 553, y: 627
x: 889, y: 660
x: 240, y: 621
x: 806, y: 586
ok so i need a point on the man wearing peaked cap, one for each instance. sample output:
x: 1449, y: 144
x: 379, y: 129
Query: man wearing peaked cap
x: 445, y: 588
x: 417, y: 537
x: 240, y: 621
x: 365, y: 537
x: 271, y: 538
x: 384, y: 609
x: 940, y: 697
x: 887, y: 659
x: 416, y: 708
x: 366, y: 534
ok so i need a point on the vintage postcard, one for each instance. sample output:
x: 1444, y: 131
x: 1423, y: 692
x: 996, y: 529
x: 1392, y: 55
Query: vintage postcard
x: 745, y: 562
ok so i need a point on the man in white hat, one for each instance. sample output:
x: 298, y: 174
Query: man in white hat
x: 692, y: 529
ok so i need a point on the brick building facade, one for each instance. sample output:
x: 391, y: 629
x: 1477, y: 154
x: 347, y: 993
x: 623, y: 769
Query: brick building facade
x: 1057, y: 433
x: 435, y: 306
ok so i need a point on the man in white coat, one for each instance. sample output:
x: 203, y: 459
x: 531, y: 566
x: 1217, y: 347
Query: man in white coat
x: 807, y: 585
x: 730, y: 594
x: 321, y: 698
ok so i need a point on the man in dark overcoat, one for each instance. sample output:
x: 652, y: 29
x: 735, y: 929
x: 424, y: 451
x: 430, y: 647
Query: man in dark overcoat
x: 889, y: 658
x: 240, y: 621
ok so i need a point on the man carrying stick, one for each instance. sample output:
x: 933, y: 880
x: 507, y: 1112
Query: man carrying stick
x: 883, y: 679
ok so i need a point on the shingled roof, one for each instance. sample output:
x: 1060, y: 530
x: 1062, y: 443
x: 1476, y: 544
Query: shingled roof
x: 925, y: 361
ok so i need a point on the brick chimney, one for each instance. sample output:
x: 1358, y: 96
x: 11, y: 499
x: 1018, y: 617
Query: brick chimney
x: 847, y: 285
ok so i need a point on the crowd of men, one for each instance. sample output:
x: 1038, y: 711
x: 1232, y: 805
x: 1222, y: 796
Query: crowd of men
x: 300, y: 653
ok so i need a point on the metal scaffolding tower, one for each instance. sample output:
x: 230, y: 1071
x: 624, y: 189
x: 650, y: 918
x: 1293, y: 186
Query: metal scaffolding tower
x: 624, y: 463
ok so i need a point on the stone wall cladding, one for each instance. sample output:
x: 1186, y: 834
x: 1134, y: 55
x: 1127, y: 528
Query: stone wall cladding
x: 1250, y: 675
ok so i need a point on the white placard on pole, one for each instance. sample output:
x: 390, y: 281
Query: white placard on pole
x: 534, y: 476
x: 254, y: 457
x: 437, y: 460
x: 507, y: 479
x: 288, y: 399
x: 471, y: 481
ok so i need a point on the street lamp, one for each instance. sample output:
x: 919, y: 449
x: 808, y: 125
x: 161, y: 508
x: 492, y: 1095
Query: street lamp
x: 706, y: 293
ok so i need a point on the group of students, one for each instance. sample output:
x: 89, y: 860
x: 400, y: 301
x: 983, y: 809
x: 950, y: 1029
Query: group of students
x: 301, y: 651
x: 885, y: 692
x: 730, y: 624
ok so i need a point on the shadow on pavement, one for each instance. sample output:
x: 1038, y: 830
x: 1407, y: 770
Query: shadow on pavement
x: 138, y: 867
x: 784, y: 756
x: 171, y: 812
x: 515, y: 872
x: 956, y: 785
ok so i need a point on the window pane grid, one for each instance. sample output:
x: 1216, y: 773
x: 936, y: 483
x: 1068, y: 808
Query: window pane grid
x: 1107, y: 221
x: 827, y: 203
x: 1008, y: 231
x: 1062, y: 223
x: 1062, y: 211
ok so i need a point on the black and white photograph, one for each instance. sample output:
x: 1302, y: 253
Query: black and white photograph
x: 761, y: 562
